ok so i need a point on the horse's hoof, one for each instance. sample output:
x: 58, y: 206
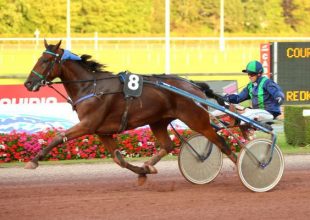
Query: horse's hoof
x: 31, y: 165
x: 150, y: 169
x: 142, y: 179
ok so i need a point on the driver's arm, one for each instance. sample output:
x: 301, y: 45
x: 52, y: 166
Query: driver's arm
x: 237, y: 98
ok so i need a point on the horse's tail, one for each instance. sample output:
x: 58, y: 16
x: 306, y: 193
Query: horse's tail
x: 209, y: 93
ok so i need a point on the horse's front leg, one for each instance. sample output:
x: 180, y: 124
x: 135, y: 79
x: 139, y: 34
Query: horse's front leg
x: 74, y: 132
x: 34, y: 163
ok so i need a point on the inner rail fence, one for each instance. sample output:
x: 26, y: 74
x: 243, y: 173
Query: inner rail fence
x: 193, y: 55
x: 95, y: 39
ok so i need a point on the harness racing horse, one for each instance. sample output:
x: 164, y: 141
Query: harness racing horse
x: 103, y: 109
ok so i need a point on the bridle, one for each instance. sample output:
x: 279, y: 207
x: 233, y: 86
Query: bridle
x: 48, y: 71
x: 43, y: 77
x: 58, y: 60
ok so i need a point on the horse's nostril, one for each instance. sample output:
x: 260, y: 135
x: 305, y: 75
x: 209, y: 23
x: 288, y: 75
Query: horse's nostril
x: 27, y: 84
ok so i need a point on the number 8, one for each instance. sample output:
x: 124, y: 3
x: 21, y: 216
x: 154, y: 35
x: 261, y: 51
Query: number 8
x: 133, y: 83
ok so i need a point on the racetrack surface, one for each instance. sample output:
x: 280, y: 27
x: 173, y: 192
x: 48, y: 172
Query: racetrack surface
x: 106, y: 191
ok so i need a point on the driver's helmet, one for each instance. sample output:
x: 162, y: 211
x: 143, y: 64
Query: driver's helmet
x: 254, y: 67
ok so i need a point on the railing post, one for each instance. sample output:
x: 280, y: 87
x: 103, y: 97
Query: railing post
x: 36, y: 34
x: 222, y: 30
x: 96, y: 40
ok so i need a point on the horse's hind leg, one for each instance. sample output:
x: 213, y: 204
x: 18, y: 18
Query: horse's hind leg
x: 197, y: 118
x: 160, y: 131
x: 111, y: 146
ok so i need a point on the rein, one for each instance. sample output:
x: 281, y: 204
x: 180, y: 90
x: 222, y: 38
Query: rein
x: 50, y: 84
x: 82, y: 80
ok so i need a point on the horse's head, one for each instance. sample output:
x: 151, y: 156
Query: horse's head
x: 46, y: 69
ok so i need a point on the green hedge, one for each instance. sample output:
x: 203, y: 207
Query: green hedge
x: 145, y: 17
x: 296, y: 126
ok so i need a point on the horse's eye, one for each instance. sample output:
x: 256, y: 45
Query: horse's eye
x: 44, y: 60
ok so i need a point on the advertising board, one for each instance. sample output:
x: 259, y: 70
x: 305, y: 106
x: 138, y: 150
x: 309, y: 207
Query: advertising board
x: 24, y: 111
x: 293, y: 70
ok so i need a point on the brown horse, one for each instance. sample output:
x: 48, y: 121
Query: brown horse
x: 98, y: 98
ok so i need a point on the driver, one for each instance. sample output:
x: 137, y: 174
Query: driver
x: 265, y: 94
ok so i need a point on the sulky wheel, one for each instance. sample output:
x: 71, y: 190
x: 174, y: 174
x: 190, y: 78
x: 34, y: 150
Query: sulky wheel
x: 254, y: 176
x: 201, y: 164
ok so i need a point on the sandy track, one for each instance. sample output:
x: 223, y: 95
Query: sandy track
x: 106, y: 191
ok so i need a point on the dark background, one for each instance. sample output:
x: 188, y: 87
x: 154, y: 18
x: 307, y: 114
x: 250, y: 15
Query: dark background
x: 293, y: 73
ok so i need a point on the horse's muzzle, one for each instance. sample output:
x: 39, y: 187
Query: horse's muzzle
x: 32, y: 86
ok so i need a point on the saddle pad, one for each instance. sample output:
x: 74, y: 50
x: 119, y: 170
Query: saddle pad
x: 133, y: 84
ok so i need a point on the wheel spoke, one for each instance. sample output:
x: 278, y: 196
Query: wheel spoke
x: 195, y: 169
x: 253, y: 175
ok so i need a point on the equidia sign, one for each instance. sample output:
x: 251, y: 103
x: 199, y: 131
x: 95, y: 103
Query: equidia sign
x: 22, y: 110
x: 18, y: 94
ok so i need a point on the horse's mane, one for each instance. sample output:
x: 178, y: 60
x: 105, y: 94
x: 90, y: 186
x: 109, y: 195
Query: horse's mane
x: 92, y: 65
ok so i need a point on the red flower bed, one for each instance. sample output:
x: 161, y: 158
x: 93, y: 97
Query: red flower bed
x: 135, y: 143
x: 232, y: 136
x: 232, y: 140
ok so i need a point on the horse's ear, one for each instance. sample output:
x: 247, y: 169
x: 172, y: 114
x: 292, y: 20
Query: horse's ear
x: 45, y: 43
x: 57, y: 46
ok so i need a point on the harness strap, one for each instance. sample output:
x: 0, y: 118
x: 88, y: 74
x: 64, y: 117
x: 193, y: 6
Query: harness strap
x: 87, y: 96
x: 83, y: 98
x: 83, y: 80
x: 124, y: 120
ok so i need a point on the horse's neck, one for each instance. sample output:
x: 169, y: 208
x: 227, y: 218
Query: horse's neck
x: 74, y: 72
